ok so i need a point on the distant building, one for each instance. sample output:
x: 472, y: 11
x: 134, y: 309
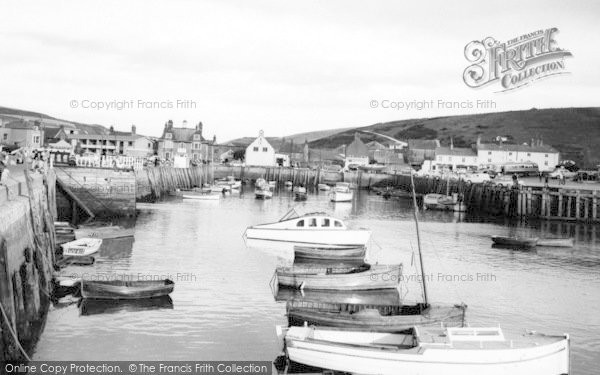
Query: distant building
x: 420, y: 150
x: 282, y: 160
x: 113, y: 143
x: 357, y: 153
x: 545, y: 156
x: 225, y: 153
x: 22, y: 133
x: 260, y: 152
x: 184, y: 143
x: 455, y: 158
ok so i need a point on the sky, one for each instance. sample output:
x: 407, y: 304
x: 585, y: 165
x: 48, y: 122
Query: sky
x: 284, y: 67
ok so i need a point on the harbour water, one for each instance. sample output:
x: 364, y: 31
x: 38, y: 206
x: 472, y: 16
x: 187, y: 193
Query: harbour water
x: 223, y: 307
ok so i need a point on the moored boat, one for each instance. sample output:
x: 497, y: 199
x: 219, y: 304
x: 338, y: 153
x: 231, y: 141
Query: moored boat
x: 341, y: 254
x: 429, y: 351
x: 263, y: 193
x: 324, y: 187
x: 341, y: 193
x: 340, y: 299
x: 104, y: 232
x: 121, y: 289
x: 201, y: 196
x: 300, y: 196
x: 378, y: 319
x: 515, y: 242
x: 364, y: 277
x: 311, y: 228
x: 435, y: 201
x: 81, y: 247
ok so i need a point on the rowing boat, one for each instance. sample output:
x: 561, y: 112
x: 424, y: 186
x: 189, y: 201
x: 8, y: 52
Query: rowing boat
x: 105, y: 232
x: 515, y: 242
x: 364, y: 277
x: 94, y: 307
x: 119, y: 289
x: 81, y: 247
x: 201, y: 196
x: 341, y: 253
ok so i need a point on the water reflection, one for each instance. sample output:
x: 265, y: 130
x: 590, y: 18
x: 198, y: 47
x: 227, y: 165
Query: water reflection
x: 93, y: 307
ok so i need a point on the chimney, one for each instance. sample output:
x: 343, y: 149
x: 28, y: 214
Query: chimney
x: 132, y: 129
x: 478, y: 141
x: 199, y: 127
x: 170, y: 125
x: 451, y: 143
x: 111, y: 130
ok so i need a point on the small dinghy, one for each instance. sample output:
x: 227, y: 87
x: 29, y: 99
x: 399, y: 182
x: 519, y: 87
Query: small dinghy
x: 327, y: 253
x: 556, y: 242
x: 515, y: 242
x: 84, y: 260
x: 120, y: 289
x: 81, y: 247
x: 201, y: 196
x: 94, y: 306
x: 364, y: 277
x: 104, y: 232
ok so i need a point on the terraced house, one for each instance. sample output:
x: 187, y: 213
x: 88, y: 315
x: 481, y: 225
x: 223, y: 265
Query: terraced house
x: 185, y: 143
x: 22, y: 133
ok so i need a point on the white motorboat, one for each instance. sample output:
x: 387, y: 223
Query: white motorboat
x: 103, y: 232
x: 81, y: 247
x: 289, y: 183
x: 299, y: 189
x: 429, y: 351
x: 435, y: 201
x: 341, y: 193
x: 311, y: 228
x: 201, y: 196
x: 260, y: 182
x: 324, y: 187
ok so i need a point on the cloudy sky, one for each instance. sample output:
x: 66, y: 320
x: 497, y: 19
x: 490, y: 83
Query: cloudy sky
x: 285, y: 67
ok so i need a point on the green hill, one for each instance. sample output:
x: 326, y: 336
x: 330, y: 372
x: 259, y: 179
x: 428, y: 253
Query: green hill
x: 575, y: 132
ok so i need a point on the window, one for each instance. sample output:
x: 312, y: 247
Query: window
x: 510, y: 154
x: 489, y: 152
x: 168, y: 136
x: 312, y: 222
x: 546, y: 162
x: 489, y: 160
x: 338, y: 224
x: 36, y: 139
x: 463, y: 160
x: 196, y: 137
x: 265, y: 149
x: 129, y: 143
x: 529, y: 154
x: 149, y: 145
x: 5, y: 136
x: 196, y: 145
x: 546, y: 155
x: 325, y: 223
x: 255, y: 149
x: 167, y: 155
x: 300, y: 223
x: 181, y: 145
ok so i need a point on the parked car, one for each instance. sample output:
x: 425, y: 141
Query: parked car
x: 477, y: 178
x: 506, y: 181
x: 562, y: 171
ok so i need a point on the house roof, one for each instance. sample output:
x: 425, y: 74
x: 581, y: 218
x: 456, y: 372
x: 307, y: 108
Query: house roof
x: 516, y: 148
x: 423, y: 144
x: 183, y: 134
x: 120, y: 136
x: 357, y: 148
x: 455, y: 151
x: 374, y: 145
x: 20, y: 124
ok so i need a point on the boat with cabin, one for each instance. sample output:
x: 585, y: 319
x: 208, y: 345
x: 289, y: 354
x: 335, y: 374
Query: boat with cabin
x: 310, y: 228
x: 341, y: 193
x: 428, y: 351
x: 515, y: 242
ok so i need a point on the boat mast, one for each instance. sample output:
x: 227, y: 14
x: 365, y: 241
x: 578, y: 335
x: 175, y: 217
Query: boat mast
x: 416, y: 210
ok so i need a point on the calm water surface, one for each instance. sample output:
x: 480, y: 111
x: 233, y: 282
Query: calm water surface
x: 223, y: 307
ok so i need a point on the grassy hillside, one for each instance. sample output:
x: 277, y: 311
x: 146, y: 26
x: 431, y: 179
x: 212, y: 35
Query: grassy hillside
x: 575, y: 132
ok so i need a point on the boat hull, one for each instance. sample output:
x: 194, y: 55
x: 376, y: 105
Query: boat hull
x: 103, y: 232
x: 316, y: 254
x: 81, y: 247
x: 200, y: 196
x: 308, y: 236
x: 126, y: 289
x: 376, y: 277
x: 515, y: 242
x: 337, y: 196
x: 373, y: 320
x: 546, y: 359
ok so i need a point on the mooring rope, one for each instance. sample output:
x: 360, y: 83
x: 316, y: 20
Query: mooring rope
x: 13, y: 333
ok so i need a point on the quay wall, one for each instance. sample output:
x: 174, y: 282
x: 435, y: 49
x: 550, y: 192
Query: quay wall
x: 27, y: 243
x: 105, y: 192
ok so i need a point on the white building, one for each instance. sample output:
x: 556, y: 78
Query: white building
x: 260, y: 152
x: 357, y: 153
x: 456, y: 158
x: 545, y: 156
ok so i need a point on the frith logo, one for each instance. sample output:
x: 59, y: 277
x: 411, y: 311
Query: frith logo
x: 515, y: 63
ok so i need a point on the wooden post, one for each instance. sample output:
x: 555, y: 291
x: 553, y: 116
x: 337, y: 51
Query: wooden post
x: 586, y: 208
x: 569, y: 204
x: 594, y: 205
x: 10, y: 350
x: 577, y: 206
x: 560, y: 203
